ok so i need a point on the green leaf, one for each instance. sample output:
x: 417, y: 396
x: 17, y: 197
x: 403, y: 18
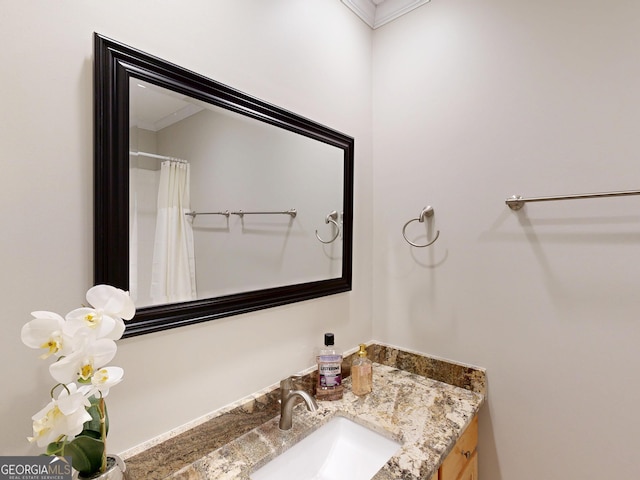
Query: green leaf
x: 92, y: 427
x: 91, y: 434
x: 54, y: 448
x: 86, y: 454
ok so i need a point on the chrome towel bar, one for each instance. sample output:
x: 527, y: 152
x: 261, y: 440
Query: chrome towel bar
x: 226, y: 213
x: 516, y: 202
x: 292, y: 212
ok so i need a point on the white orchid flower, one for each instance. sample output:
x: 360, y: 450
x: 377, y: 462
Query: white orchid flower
x: 110, y: 306
x: 113, y: 300
x: 82, y: 364
x: 83, y: 343
x: 45, y: 332
x: 105, y: 378
x: 92, y: 321
x: 62, y: 417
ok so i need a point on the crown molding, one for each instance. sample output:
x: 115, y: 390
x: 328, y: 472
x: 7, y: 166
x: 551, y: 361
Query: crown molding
x: 376, y: 13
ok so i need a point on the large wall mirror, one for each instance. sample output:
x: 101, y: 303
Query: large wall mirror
x: 210, y: 202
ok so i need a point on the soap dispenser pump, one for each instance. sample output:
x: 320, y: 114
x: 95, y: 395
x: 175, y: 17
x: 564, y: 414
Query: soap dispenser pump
x: 361, y: 372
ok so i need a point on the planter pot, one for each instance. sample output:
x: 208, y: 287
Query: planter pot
x: 115, y: 470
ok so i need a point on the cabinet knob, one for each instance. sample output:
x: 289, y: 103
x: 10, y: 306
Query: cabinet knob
x: 467, y: 454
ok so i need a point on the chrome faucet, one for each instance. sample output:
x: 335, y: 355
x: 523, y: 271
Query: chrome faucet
x: 288, y: 400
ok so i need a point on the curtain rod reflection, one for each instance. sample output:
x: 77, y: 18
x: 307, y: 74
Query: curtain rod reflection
x: 292, y: 212
x: 159, y: 157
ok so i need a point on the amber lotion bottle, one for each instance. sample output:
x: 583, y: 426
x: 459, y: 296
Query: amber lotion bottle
x: 329, y: 385
x: 361, y: 372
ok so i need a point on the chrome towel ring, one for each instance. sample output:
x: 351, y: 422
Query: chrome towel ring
x: 331, y: 218
x: 425, y: 213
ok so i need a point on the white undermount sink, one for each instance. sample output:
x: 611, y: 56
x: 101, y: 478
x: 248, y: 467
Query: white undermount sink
x: 339, y: 450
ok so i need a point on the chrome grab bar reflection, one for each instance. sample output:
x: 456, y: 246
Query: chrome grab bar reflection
x: 292, y: 212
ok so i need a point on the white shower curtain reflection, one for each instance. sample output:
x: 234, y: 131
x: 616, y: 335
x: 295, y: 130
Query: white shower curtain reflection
x: 173, y: 277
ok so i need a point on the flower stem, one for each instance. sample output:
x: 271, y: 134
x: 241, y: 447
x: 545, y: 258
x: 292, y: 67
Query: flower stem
x: 103, y: 433
x: 59, y: 385
x: 62, y: 441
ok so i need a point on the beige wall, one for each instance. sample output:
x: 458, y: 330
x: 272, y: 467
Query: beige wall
x: 472, y: 102
x: 475, y: 101
x: 311, y: 57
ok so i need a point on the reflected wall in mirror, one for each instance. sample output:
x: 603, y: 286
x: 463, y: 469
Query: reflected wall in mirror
x: 233, y: 163
x: 210, y: 202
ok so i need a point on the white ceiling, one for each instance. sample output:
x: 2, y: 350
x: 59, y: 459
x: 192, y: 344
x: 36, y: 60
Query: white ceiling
x: 376, y: 13
x: 154, y: 108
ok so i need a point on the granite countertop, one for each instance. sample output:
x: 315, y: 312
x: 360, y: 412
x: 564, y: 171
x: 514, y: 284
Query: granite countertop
x: 426, y: 416
x: 447, y: 392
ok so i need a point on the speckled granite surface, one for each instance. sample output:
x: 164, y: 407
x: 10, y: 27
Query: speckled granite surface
x: 227, y: 436
x: 464, y: 376
x: 424, y: 415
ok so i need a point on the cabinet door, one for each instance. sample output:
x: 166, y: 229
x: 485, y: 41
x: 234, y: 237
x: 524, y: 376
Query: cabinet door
x: 456, y: 462
x: 470, y: 472
x: 435, y: 476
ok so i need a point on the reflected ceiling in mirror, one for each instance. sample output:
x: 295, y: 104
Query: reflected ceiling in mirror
x: 210, y: 202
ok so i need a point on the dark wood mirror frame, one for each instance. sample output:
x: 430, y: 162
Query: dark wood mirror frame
x: 115, y: 64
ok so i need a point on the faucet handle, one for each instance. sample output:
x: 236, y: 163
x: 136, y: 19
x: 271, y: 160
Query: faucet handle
x: 287, y: 383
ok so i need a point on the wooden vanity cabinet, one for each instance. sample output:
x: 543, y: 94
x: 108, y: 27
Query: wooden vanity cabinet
x: 470, y: 472
x: 462, y: 462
